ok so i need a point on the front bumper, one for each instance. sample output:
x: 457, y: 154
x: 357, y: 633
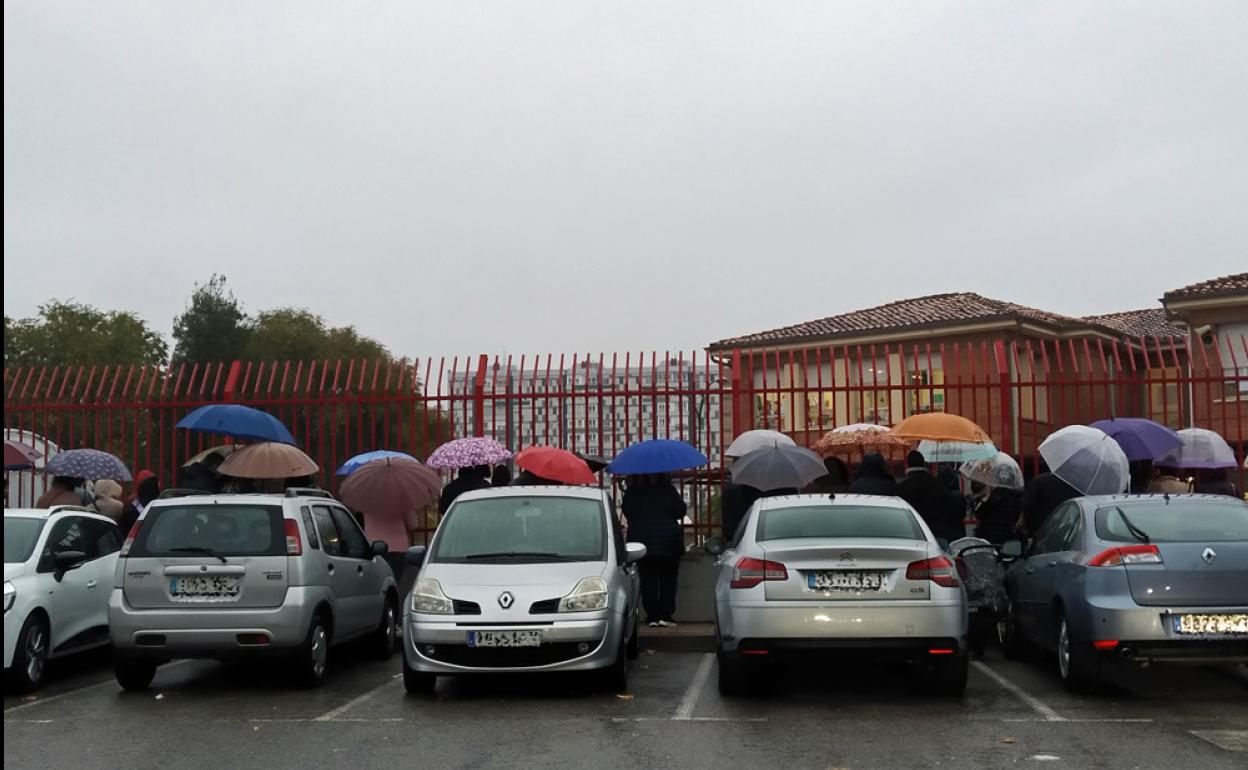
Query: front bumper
x: 441, y: 646
x: 13, y: 620
x: 909, y: 624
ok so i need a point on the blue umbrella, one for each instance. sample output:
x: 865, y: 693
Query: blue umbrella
x: 237, y: 421
x: 91, y: 464
x: 660, y: 455
x: 377, y: 454
x: 1139, y: 438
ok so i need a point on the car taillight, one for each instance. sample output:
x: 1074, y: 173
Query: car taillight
x: 750, y: 572
x: 134, y: 532
x: 939, y: 570
x: 294, y: 544
x: 962, y: 570
x: 1127, y: 554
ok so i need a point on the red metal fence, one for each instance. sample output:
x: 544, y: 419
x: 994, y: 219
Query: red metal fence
x: 1019, y: 391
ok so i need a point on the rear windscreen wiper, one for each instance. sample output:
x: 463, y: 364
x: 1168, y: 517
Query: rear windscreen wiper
x: 514, y: 554
x: 204, y: 551
x: 1138, y: 533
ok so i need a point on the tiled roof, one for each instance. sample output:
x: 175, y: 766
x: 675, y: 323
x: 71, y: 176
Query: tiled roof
x: 1138, y: 323
x: 932, y: 310
x: 1227, y: 284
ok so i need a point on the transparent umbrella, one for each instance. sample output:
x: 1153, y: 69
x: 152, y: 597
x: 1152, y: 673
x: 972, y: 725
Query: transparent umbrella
x: 756, y: 439
x: 956, y: 451
x: 1000, y: 470
x: 1201, y: 449
x: 1087, y: 459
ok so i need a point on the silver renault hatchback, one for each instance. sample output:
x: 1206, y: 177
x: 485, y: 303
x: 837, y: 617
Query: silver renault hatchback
x: 244, y: 576
x: 524, y: 579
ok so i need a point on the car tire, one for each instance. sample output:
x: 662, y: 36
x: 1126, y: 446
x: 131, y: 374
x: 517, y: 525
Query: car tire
x: 30, y: 659
x: 418, y: 682
x: 948, y: 674
x: 382, y: 640
x: 133, y: 674
x: 633, y: 647
x: 1078, y: 664
x: 1012, y: 643
x: 733, y: 677
x: 614, y: 678
x: 312, y: 659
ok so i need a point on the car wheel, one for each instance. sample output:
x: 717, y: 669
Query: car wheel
x: 614, y: 678
x: 1012, y: 643
x: 134, y: 674
x: 1078, y: 665
x: 418, y: 682
x: 31, y: 656
x: 948, y: 674
x: 733, y: 678
x: 383, y: 637
x: 312, y: 659
x: 633, y: 648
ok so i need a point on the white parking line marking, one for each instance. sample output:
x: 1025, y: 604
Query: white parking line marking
x: 1076, y: 720
x: 685, y: 710
x: 333, y: 714
x: 690, y: 719
x: 59, y: 696
x: 1230, y: 740
x: 1035, y: 703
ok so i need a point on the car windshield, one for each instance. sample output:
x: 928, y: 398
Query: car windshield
x: 827, y: 521
x: 211, y: 530
x: 1179, y: 521
x: 519, y: 529
x: 20, y: 535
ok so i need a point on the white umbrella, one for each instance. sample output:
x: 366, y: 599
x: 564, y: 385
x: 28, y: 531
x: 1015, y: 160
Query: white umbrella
x: 757, y: 439
x: 956, y: 451
x: 1201, y: 449
x: 1000, y: 470
x: 1087, y: 459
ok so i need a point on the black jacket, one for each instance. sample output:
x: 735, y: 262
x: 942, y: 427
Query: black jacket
x: 873, y: 478
x: 655, y: 513
x: 929, y: 497
x: 1041, y: 497
x: 998, y: 515
x: 734, y: 502
x: 460, y: 485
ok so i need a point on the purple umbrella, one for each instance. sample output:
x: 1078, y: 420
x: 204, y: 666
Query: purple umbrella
x: 467, y: 452
x: 91, y: 464
x: 1139, y: 438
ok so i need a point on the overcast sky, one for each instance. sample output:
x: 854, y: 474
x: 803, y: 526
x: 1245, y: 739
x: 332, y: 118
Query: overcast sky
x: 586, y: 176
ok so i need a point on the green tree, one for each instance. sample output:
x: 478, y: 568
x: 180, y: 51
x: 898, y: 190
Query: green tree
x: 295, y: 334
x: 213, y: 327
x: 75, y: 333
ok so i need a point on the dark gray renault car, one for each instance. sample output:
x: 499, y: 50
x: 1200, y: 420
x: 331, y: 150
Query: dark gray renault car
x: 1146, y: 578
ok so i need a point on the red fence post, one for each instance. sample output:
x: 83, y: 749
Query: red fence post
x: 1007, y: 401
x: 231, y: 382
x: 478, y: 396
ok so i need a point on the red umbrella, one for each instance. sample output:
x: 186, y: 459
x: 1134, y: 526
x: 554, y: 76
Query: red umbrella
x: 391, y: 486
x: 19, y: 456
x: 555, y: 464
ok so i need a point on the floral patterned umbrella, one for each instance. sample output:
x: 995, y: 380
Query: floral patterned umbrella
x: 90, y: 464
x: 859, y: 437
x: 467, y: 452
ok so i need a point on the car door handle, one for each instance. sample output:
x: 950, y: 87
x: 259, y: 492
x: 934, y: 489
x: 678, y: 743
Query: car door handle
x: 1053, y: 563
x: 1030, y: 570
x: 359, y: 568
x: 90, y: 584
x: 330, y: 568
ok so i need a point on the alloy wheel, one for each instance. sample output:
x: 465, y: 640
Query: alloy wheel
x: 36, y: 649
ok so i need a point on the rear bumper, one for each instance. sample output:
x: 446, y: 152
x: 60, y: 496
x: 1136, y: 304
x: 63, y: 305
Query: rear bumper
x: 440, y: 647
x: 909, y: 625
x: 190, y: 632
x: 1185, y: 651
x: 872, y: 649
x: 1116, y: 617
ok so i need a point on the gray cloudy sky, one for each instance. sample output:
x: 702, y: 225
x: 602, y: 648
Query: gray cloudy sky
x: 569, y: 176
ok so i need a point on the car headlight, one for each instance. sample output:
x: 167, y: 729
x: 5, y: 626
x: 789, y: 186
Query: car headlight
x: 427, y: 598
x: 589, y: 594
x: 10, y: 593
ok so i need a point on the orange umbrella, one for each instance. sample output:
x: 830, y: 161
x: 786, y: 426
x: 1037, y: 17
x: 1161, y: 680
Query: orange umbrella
x: 939, y: 426
x: 268, y: 460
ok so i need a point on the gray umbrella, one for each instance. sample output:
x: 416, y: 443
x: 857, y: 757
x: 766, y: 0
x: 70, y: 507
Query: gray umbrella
x: 778, y: 467
x: 91, y: 464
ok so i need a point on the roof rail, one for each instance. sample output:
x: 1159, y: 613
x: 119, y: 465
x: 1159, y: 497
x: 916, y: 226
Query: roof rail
x: 166, y: 494
x: 307, y: 492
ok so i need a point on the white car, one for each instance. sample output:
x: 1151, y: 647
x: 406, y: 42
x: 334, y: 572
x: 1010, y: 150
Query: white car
x: 58, y: 574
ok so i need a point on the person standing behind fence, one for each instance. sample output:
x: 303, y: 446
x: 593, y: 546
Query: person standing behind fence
x: 476, y: 477
x: 874, y: 478
x: 1041, y: 497
x: 501, y: 476
x: 1215, y: 482
x: 1168, y: 483
x: 835, y: 481
x: 927, y: 495
x: 65, y: 490
x: 146, y: 489
x: 654, y: 511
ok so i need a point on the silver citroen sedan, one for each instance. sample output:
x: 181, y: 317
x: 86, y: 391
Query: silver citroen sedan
x: 524, y: 579
x: 824, y: 576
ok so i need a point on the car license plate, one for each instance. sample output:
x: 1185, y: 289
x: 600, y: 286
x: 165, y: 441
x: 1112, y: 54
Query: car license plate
x: 504, y: 638
x: 845, y: 580
x: 205, y: 586
x: 1234, y: 625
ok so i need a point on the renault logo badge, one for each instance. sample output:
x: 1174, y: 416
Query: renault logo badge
x: 1209, y: 555
x: 505, y: 600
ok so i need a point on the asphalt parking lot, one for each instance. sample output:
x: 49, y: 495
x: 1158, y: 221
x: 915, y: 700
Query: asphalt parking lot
x: 203, y: 714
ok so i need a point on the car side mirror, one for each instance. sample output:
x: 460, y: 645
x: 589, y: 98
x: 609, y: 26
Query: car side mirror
x: 416, y: 555
x: 1011, y: 549
x: 380, y: 548
x: 67, y: 560
x: 634, y: 552
x: 714, y: 546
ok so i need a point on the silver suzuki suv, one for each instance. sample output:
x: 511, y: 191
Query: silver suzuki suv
x: 524, y: 579
x: 246, y: 575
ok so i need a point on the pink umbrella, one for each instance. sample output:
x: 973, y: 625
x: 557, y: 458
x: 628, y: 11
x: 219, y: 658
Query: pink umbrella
x: 467, y: 452
x: 19, y: 456
x: 390, y: 486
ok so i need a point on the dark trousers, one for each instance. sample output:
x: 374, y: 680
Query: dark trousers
x: 658, y: 586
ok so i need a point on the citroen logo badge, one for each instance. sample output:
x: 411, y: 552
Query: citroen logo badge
x: 847, y: 556
x: 1209, y: 555
x: 505, y: 600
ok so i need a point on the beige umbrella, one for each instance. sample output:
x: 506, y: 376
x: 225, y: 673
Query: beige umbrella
x: 268, y: 460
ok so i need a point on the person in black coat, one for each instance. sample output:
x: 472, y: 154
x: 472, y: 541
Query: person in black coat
x: 655, y: 512
x: 1215, y: 482
x: 734, y: 502
x: 998, y: 515
x: 835, y: 481
x: 1041, y: 497
x: 874, y: 477
x: 476, y: 477
x: 927, y: 495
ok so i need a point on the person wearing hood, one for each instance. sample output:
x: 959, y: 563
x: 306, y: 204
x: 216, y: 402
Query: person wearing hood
x: 146, y: 489
x: 873, y: 477
x: 475, y: 477
x: 108, y: 499
x: 835, y: 481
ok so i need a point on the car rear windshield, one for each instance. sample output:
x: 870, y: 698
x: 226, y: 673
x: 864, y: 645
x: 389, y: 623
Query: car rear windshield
x: 517, y: 529
x: 20, y: 536
x: 1179, y: 521
x: 211, y: 530
x: 826, y: 521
